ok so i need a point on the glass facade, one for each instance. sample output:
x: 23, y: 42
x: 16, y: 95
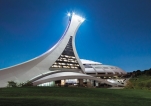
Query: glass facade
x: 67, y: 58
x: 51, y: 84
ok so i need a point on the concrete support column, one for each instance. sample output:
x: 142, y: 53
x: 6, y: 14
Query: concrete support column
x: 94, y: 83
x: 89, y: 84
x: 81, y: 82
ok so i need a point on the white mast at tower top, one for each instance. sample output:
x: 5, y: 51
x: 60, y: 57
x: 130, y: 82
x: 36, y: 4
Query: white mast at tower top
x: 80, y: 18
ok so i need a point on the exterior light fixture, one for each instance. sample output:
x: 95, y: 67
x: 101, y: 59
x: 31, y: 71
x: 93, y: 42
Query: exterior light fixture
x: 69, y: 14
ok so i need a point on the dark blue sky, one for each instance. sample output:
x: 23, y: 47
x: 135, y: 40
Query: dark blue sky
x: 116, y: 32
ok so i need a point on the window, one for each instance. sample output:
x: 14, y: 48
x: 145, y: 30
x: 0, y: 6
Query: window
x: 101, y: 73
x: 87, y: 66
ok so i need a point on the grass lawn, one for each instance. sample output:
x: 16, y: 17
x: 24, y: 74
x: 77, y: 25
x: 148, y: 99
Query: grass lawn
x: 67, y: 96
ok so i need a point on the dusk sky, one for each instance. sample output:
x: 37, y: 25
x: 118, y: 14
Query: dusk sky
x: 115, y: 32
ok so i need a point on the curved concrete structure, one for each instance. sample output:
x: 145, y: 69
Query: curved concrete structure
x: 27, y: 70
x: 62, y: 56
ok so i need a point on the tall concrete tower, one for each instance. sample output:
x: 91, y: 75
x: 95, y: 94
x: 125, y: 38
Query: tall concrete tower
x: 59, y: 62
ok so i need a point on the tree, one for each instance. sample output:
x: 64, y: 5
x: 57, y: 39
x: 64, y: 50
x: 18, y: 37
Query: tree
x: 12, y: 84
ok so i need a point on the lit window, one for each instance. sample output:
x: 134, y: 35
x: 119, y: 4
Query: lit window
x: 66, y: 56
x: 63, y: 64
x: 76, y: 61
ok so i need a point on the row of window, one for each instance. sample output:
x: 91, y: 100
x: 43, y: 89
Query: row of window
x: 59, y: 66
x: 69, y: 64
x: 72, y: 57
x: 89, y: 66
x: 65, y: 60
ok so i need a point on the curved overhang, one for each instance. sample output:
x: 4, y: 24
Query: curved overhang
x: 69, y: 75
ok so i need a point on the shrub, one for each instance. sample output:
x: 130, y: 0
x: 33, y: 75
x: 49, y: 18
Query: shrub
x: 129, y: 85
x: 27, y: 84
x: 12, y: 84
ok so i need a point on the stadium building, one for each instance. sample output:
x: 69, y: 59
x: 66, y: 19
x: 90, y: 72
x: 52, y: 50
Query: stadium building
x: 61, y: 65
